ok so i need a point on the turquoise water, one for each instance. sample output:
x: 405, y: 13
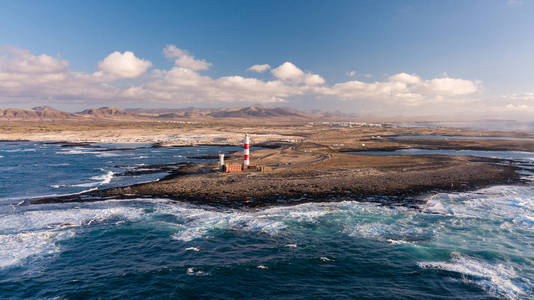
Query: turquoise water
x: 477, y: 245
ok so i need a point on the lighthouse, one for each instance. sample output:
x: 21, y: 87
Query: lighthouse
x: 246, y: 151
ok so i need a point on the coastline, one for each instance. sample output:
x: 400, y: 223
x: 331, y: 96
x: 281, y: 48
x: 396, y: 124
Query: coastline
x: 308, y: 162
x: 393, y: 180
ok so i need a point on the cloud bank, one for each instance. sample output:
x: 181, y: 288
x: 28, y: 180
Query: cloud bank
x: 24, y: 76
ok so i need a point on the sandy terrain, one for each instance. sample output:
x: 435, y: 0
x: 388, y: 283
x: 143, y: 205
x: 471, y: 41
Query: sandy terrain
x: 164, y: 133
x: 231, y: 132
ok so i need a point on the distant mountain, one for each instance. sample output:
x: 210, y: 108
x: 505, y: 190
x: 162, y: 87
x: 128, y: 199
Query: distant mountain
x: 109, y: 113
x: 190, y: 109
x: 35, y: 114
x: 239, y: 112
x: 114, y: 113
x: 255, y: 111
x: 182, y: 115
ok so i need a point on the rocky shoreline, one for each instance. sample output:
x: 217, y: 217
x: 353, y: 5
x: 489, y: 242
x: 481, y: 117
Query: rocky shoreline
x: 309, y: 162
x: 392, y: 180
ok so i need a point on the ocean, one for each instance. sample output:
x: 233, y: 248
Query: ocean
x: 477, y: 245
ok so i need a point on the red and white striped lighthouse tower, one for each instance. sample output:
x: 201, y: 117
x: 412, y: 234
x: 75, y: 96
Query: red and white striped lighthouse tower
x: 246, y: 151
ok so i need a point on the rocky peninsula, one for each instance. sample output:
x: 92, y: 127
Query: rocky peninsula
x: 308, y: 172
x: 308, y: 160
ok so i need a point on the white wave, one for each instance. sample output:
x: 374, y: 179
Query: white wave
x: 369, y: 230
x: 105, y: 178
x: 15, y: 248
x: 54, y: 218
x: 104, y: 154
x: 36, y: 232
x: 499, y: 203
x: 1, y: 156
x: 101, y: 180
x: 397, y: 242
x: 437, y: 207
x: 72, y: 152
x: 494, y: 279
x: 198, y: 222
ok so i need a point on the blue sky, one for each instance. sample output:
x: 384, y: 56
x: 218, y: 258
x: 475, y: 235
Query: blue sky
x: 486, y: 43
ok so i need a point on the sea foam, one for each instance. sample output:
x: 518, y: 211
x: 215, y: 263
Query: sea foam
x: 496, y: 279
x: 36, y: 233
x: 198, y: 222
x: 15, y: 248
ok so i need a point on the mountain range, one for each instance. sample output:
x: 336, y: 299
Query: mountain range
x: 46, y: 113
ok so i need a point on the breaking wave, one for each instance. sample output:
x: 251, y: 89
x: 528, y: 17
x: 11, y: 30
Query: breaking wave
x: 37, y: 233
x: 15, y: 248
x: 496, y: 279
x: 105, y: 178
x: 97, y: 181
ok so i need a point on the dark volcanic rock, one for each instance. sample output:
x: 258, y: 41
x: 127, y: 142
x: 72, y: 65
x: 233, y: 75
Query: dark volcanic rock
x: 200, y: 184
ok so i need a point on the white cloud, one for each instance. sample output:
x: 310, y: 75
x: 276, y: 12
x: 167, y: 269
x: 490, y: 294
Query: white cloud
x: 288, y: 71
x: 259, y: 68
x: 26, y: 76
x: 451, y: 86
x: 405, y: 78
x: 171, y: 51
x: 185, y: 85
x: 124, y: 65
x: 293, y: 74
x: 313, y: 79
x: 402, y: 88
x: 21, y: 61
x: 377, y: 91
x: 184, y: 59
